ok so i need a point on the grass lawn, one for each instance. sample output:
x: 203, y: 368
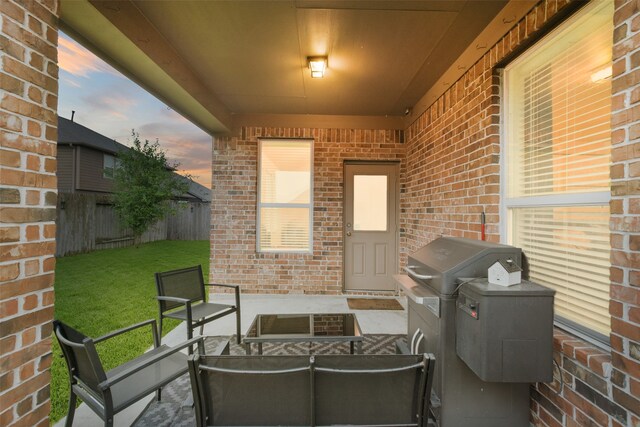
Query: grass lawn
x: 106, y: 290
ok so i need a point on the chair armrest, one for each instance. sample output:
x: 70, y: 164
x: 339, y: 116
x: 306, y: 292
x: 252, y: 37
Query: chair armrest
x: 154, y: 331
x: 225, y: 286
x: 174, y: 299
x: 104, y: 385
x: 236, y: 288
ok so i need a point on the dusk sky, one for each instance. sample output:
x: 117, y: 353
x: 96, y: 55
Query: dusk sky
x: 112, y: 105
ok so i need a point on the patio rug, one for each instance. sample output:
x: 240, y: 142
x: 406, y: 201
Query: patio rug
x: 374, y: 304
x: 171, y: 412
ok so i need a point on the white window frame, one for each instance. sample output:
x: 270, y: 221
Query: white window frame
x: 507, y: 204
x: 260, y: 205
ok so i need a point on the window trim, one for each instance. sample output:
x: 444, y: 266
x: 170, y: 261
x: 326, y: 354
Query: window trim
x: 592, y: 337
x: 593, y: 198
x: 572, y: 199
x: 260, y: 205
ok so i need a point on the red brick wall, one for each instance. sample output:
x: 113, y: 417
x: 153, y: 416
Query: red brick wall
x: 233, y: 209
x: 28, y: 104
x: 625, y: 209
x: 452, y: 171
x: 452, y: 174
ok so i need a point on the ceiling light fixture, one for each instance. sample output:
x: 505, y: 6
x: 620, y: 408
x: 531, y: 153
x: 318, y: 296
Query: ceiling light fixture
x: 317, y: 65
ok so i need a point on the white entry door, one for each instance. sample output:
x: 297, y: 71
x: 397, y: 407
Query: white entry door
x: 370, y: 225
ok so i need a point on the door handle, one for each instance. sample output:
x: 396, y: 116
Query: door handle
x: 348, y: 233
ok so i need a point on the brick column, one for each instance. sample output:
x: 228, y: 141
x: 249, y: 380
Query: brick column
x: 28, y: 133
x: 625, y: 208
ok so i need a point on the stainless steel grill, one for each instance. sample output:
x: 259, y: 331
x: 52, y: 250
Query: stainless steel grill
x: 435, y: 275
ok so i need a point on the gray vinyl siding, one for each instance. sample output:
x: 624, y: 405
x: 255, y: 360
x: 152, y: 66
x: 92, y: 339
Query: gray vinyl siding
x: 65, y: 172
x: 90, y: 171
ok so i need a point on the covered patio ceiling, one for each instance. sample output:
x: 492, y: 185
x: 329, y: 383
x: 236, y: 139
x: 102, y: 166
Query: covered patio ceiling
x: 223, y: 64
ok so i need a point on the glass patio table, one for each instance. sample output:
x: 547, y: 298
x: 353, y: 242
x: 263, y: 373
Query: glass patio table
x: 324, y: 327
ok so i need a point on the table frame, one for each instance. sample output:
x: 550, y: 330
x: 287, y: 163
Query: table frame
x: 355, y: 341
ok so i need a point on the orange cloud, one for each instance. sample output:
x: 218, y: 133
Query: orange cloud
x: 77, y: 60
x: 115, y: 104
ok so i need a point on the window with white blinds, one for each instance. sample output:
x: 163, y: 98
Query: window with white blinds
x: 556, y: 171
x: 285, y: 189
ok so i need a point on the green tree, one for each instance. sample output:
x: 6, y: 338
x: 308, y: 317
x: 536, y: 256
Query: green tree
x: 144, y: 186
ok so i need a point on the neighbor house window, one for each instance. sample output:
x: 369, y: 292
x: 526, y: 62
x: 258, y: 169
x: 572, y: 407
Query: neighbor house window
x: 556, y: 170
x: 109, y: 165
x: 285, y: 190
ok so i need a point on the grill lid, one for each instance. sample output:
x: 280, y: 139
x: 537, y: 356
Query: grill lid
x: 448, y: 258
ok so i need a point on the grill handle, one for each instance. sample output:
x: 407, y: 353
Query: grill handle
x: 410, y: 269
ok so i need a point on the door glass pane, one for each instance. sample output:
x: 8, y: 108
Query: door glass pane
x: 370, y: 202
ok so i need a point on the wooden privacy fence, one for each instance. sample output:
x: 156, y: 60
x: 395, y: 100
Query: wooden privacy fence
x: 88, y: 222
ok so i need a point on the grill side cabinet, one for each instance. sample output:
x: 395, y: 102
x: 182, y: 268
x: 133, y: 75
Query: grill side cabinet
x: 505, y: 334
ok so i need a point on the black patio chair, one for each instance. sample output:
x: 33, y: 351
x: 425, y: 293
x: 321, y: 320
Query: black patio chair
x: 185, y: 288
x: 108, y: 393
x: 319, y: 390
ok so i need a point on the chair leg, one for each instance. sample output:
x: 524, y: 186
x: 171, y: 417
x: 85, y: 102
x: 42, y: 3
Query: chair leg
x: 202, y: 329
x: 159, y: 394
x: 189, y: 336
x: 108, y: 422
x: 160, y: 329
x: 72, y: 409
x: 238, y: 334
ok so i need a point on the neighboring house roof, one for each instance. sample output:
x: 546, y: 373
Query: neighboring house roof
x: 197, y: 190
x: 72, y: 133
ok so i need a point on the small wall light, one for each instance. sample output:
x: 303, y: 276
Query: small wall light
x: 317, y: 65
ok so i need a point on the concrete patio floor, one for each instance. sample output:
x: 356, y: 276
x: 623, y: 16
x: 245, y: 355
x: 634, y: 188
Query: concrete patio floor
x: 371, y: 322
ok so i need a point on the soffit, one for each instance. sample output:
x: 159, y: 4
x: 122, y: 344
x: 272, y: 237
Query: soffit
x: 241, y: 59
x: 383, y: 55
